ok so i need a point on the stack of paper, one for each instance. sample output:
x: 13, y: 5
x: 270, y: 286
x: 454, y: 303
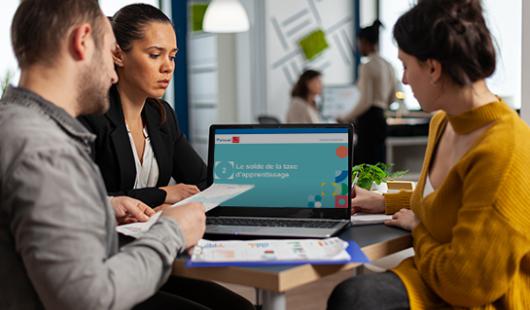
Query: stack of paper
x: 367, y: 219
x: 210, y: 198
x: 275, y: 252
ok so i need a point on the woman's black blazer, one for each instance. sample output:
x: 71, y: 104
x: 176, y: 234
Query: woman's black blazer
x: 113, y: 153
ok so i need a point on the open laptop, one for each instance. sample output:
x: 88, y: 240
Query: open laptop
x: 301, y: 173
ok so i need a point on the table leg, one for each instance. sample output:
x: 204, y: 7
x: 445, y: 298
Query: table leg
x: 273, y: 300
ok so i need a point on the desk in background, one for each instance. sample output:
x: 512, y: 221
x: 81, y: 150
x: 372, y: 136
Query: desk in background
x: 377, y: 241
x: 406, y: 144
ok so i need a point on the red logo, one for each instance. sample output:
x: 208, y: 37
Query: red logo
x: 235, y: 139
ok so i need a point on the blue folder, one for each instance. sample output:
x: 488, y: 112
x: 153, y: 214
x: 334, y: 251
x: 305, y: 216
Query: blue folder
x: 356, y: 256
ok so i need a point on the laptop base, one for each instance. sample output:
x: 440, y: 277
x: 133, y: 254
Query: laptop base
x: 270, y: 231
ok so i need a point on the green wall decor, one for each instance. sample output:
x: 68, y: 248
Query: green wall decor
x: 313, y: 44
x: 197, y: 15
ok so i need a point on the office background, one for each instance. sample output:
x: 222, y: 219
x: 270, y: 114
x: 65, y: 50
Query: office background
x: 233, y: 78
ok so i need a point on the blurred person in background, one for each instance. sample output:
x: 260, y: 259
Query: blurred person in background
x: 377, y: 88
x: 303, y: 108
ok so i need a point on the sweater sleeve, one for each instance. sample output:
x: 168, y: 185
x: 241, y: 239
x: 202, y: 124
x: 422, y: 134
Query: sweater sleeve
x: 480, y: 261
x: 397, y: 201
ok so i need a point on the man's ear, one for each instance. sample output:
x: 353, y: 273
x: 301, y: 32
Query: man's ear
x: 81, y: 40
x: 117, y: 56
x: 435, y: 70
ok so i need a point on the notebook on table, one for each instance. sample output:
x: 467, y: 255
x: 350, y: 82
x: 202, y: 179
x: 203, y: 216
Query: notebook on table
x: 301, y: 176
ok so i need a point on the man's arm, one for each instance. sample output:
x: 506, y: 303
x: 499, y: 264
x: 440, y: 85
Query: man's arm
x: 65, y: 234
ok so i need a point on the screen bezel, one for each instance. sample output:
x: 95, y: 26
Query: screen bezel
x: 288, y: 212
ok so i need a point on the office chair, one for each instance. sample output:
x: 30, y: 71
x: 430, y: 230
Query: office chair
x: 268, y: 119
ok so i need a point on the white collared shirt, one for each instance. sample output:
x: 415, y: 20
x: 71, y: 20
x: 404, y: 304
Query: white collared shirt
x: 147, y: 170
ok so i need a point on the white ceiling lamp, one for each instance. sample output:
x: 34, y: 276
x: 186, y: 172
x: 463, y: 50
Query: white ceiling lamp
x: 225, y: 16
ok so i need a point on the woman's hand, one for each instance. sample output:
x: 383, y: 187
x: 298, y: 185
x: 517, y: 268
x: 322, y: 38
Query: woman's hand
x: 129, y: 210
x: 405, y: 219
x: 175, y: 193
x: 367, y: 201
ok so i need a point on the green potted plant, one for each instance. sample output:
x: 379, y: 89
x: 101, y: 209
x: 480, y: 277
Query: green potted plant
x: 370, y: 177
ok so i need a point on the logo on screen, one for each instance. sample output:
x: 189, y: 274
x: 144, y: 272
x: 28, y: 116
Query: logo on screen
x: 222, y: 140
x: 235, y: 139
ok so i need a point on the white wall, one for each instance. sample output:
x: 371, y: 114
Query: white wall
x: 286, y: 22
x: 251, y: 64
x: 368, y: 12
x: 227, y: 111
x: 504, y: 21
x: 203, y: 75
x: 7, y: 58
x: 110, y: 7
x: 391, y: 10
x: 525, y: 52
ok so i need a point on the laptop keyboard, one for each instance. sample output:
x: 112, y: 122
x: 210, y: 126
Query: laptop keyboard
x: 269, y: 222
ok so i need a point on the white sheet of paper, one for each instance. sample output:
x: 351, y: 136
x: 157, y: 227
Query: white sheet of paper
x: 136, y: 230
x: 367, y: 219
x: 216, y: 195
x: 211, y: 197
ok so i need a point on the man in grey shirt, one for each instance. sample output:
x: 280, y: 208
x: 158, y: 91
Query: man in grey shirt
x: 58, y: 244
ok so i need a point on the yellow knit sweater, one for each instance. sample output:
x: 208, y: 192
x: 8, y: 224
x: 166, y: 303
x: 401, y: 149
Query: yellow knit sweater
x: 473, y: 244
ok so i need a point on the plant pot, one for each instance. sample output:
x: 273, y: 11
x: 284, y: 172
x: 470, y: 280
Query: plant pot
x: 381, y: 188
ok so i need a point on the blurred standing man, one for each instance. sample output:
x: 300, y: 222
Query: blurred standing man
x: 57, y: 230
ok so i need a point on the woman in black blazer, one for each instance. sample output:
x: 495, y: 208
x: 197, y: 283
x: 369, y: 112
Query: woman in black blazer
x: 115, y: 158
x: 138, y: 141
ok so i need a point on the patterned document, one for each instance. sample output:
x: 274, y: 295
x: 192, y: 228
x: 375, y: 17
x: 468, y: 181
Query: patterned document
x: 289, y: 250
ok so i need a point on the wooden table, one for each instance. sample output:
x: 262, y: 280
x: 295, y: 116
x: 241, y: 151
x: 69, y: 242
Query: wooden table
x: 377, y: 241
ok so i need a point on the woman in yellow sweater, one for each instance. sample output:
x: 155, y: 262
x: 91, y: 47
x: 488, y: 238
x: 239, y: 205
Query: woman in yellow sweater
x: 469, y: 214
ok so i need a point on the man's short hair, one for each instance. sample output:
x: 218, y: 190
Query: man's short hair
x: 39, y: 26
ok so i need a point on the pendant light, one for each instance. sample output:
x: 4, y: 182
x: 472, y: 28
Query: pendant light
x: 225, y: 16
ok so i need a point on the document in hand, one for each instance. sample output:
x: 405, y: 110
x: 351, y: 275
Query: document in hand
x: 210, y: 198
x: 275, y: 252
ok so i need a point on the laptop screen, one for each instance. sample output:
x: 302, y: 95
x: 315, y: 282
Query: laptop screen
x: 293, y: 168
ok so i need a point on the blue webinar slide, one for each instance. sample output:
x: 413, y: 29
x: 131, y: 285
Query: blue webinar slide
x: 299, y: 170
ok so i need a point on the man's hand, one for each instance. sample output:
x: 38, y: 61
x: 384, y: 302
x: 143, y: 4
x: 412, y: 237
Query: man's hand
x: 130, y: 210
x: 405, y: 219
x: 191, y: 220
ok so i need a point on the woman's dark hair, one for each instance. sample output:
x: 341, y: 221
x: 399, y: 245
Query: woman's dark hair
x: 300, y: 89
x: 129, y: 25
x: 371, y: 33
x: 452, y: 32
x: 129, y: 22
